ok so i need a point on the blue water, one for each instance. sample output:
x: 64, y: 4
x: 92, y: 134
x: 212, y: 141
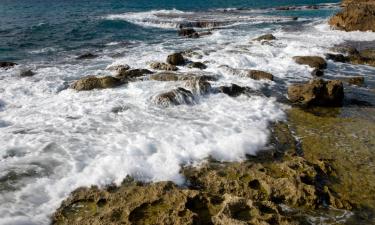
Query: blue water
x: 70, y: 25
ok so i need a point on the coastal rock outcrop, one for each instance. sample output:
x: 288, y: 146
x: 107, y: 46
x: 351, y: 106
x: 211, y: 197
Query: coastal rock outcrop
x: 317, y: 73
x: 356, y: 15
x: 317, y: 92
x: 266, y: 37
x: 312, y: 61
x: 188, y: 32
x: 26, y: 73
x: 131, y: 75
x: 198, y: 65
x: 87, y: 56
x: 7, y: 65
x: 176, y: 59
x: 358, y: 80
x: 177, y: 96
x: 233, y: 90
x: 118, y: 68
x: 259, y: 75
x: 170, y: 76
x: 198, y: 86
x: 92, y: 82
x: 163, y: 66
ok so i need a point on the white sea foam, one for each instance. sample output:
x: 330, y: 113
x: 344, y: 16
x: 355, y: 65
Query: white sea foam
x: 55, y: 139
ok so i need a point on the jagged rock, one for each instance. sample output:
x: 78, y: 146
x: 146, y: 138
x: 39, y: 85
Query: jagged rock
x: 118, y: 68
x: 92, y: 82
x: 368, y: 53
x: 233, y: 90
x: 356, y: 15
x: 317, y: 73
x: 198, y: 65
x: 359, y: 59
x: 317, y: 92
x: 129, y: 75
x: 198, y: 86
x: 7, y: 65
x: 26, y: 73
x: 259, y: 75
x: 87, y: 56
x: 347, y: 50
x: 177, y: 96
x: 266, y: 37
x: 337, y: 58
x: 176, y: 59
x: 359, y: 80
x: 163, y: 66
x: 188, y: 32
x: 312, y: 61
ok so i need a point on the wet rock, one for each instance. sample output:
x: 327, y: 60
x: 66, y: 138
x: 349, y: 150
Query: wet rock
x: 337, y: 58
x: 163, y: 66
x: 170, y: 76
x: 188, y: 32
x: 347, y: 50
x: 359, y: 80
x: 359, y: 59
x: 233, y: 90
x: 92, y: 82
x: 177, y: 96
x: 198, y: 86
x: 259, y: 75
x: 355, y: 16
x: 368, y: 53
x: 191, y: 53
x: 87, y: 56
x: 198, y: 65
x: 118, y: 68
x: 26, y: 73
x: 317, y: 92
x: 266, y: 37
x: 176, y: 59
x: 7, y: 65
x: 131, y: 75
x: 312, y: 61
x: 317, y: 73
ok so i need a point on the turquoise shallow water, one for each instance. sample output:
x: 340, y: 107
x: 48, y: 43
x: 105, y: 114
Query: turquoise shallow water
x: 73, y: 25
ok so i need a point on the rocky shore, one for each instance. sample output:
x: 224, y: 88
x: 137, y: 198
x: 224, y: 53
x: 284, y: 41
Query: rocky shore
x: 317, y: 168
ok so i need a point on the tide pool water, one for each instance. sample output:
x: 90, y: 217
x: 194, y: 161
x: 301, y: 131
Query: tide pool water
x: 54, y: 139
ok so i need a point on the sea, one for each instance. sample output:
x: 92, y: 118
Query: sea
x: 54, y: 139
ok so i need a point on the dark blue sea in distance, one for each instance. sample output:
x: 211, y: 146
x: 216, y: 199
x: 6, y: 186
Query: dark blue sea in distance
x: 70, y: 25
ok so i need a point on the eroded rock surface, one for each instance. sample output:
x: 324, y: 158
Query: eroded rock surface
x: 259, y: 75
x: 317, y: 92
x: 177, y: 96
x: 163, y: 66
x: 176, y: 59
x: 312, y: 61
x: 92, y: 82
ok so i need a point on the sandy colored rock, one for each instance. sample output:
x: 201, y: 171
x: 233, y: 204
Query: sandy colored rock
x: 266, y: 37
x: 177, y: 96
x: 170, y: 76
x: 317, y: 92
x: 92, y: 82
x: 198, y: 86
x: 198, y: 65
x: 130, y: 75
x: 163, y: 66
x: 356, y: 15
x: 312, y: 61
x: 259, y: 75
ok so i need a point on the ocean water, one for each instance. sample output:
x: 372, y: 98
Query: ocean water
x: 54, y: 139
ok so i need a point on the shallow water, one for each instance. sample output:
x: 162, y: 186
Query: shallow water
x: 54, y: 139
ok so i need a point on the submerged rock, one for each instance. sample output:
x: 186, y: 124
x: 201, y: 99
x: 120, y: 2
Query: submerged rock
x: 177, y: 96
x: 337, y: 58
x: 198, y: 86
x: 198, y: 65
x: 259, y: 75
x: 317, y: 92
x: 7, y: 65
x: 317, y: 73
x: 176, y: 59
x: 87, y: 56
x: 266, y: 37
x: 130, y: 75
x: 233, y: 90
x: 26, y: 73
x: 312, y: 61
x: 92, y: 82
x: 359, y: 80
x: 188, y: 32
x: 356, y: 15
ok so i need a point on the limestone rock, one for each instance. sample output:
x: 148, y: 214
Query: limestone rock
x: 312, y: 61
x: 259, y: 75
x: 92, y: 82
x: 317, y: 92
